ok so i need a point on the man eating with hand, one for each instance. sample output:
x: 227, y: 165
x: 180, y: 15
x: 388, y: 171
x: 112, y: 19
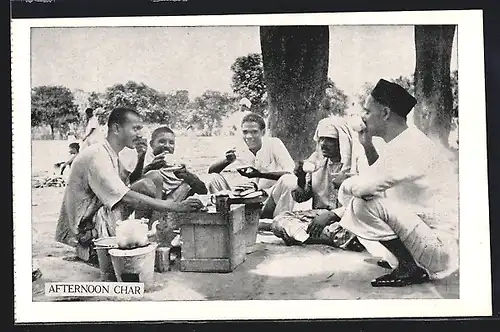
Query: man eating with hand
x: 262, y: 159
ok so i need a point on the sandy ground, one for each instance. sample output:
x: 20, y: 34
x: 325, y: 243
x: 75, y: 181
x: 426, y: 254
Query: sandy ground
x: 271, y: 271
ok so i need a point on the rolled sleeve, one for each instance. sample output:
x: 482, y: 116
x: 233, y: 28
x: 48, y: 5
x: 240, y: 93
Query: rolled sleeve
x: 105, y: 182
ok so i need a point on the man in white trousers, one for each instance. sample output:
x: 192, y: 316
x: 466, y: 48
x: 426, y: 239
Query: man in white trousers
x: 407, y: 199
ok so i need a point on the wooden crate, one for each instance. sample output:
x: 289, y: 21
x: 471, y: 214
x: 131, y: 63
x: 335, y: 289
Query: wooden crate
x: 213, y: 241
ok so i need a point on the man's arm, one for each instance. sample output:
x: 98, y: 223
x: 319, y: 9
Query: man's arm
x: 302, y: 194
x: 193, y: 181
x: 140, y: 201
x: 219, y: 166
x: 273, y: 175
x: 380, y: 179
x: 366, y: 141
x: 90, y: 133
x: 370, y: 152
x: 67, y: 163
x: 110, y: 189
x: 137, y: 172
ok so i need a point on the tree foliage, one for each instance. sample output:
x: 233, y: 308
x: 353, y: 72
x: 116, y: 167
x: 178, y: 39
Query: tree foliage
x: 53, y: 106
x: 208, y: 110
x: 409, y: 84
x: 154, y: 106
x: 335, y: 101
x: 248, y: 81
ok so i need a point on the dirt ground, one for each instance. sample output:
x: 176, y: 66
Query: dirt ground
x: 271, y: 271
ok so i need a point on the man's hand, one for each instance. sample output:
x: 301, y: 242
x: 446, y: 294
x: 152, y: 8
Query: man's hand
x: 141, y: 146
x: 157, y: 163
x: 340, y: 178
x: 316, y: 227
x: 185, y: 175
x: 365, y: 138
x: 251, y: 173
x: 231, y: 156
x: 189, y: 205
x: 300, y: 174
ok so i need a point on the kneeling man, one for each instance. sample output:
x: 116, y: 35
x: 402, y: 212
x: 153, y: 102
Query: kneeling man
x: 99, y: 192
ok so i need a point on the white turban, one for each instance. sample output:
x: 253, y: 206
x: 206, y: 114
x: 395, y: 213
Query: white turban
x: 336, y: 127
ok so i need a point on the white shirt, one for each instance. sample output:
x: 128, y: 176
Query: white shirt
x: 95, y: 136
x: 414, y: 171
x: 97, y: 178
x: 273, y: 156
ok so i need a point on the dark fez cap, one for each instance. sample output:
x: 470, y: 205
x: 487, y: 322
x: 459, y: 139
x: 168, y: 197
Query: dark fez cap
x: 393, y: 96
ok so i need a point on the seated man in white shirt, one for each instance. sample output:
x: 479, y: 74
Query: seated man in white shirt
x: 407, y: 199
x: 267, y: 155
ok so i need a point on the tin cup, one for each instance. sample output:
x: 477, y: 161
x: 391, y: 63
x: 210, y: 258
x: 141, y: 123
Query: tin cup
x: 221, y: 202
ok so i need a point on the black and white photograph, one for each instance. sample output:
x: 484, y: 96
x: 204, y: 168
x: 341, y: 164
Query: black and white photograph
x: 224, y: 166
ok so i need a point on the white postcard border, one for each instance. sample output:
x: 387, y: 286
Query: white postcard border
x: 475, y: 272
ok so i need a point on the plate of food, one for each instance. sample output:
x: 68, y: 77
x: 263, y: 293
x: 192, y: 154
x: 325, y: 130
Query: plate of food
x: 172, y: 168
x: 348, y: 174
x: 246, y: 170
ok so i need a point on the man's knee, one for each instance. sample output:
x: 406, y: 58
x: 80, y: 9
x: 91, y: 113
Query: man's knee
x: 155, y: 176
x: 215, y: 177
x: 145, y: 186
x: 366, y: 209
x: 287, y: 182
x: 216, y: 182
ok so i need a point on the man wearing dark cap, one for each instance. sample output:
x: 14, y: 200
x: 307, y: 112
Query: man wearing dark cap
x: 407, y: 198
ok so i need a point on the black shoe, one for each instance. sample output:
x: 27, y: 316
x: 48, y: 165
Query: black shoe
x: 394, y: 279
x: 384, y: 264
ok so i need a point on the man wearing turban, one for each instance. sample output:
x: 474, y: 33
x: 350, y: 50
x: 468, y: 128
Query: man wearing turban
x: 338, y: 154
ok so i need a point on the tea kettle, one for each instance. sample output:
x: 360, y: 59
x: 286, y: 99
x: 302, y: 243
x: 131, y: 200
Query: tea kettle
x: 133, y: 233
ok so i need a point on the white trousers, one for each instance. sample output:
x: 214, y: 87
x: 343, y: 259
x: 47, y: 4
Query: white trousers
x: 280, y: 192
x: 382, y: 219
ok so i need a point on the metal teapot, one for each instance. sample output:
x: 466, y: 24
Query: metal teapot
x: 134, y: 233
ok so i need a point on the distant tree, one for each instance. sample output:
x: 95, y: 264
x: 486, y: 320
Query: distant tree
x: 154, y: 106
x: 95, y: 100
x: 53, y: 106
x: 177, y: 104
x: 248, y: 81
x: 209, y: 109
x: 335, y: 101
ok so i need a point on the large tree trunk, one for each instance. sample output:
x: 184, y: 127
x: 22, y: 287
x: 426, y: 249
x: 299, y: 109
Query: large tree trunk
x: 434, y: 109
x: 295, y: 60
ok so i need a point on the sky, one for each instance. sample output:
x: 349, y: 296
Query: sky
x: 199, y: 58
